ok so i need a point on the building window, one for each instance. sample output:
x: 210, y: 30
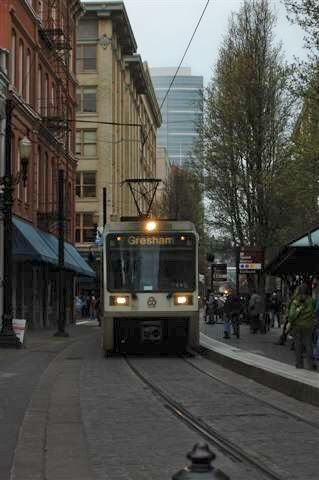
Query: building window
x: 13, y: 57
x: 21, y: 69
x: 86, y: 58
x: 86, y: 100
x: 88, y: 30
x: 39, y: 92
x: 19, y: 188
x: 28, y: 77
x: 40, y: 10
x: 85, y: 230
x: 45, y: 96
x: 86, y: 143
x: 38, y: 193
x: 86, y: 184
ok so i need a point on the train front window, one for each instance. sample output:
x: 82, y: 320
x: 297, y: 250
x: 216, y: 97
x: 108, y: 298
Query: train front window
x: 151, y: 263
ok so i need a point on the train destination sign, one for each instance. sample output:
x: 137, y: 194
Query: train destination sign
x: 151, y: 240
x: 145, y: 241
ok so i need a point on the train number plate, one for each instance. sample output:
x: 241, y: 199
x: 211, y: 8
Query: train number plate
x: 151, y: 332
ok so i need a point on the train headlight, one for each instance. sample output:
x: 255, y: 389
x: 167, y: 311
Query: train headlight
x: 183, y: 300
x: 119, y: 300
x: 150, y: 226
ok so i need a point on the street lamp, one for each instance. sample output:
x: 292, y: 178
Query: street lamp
x: 25, y: 148
x: 8, y: 338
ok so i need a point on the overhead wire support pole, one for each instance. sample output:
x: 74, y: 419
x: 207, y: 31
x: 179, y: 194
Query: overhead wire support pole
x: 61, y: 290
x: 8, y: 338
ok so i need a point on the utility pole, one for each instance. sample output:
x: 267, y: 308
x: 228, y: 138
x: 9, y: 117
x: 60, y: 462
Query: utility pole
x: 237, y: 250
x: 61, y: 225
x: 104, y: 207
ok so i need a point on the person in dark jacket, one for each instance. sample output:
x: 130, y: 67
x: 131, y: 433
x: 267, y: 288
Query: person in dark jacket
x: 232, y: 310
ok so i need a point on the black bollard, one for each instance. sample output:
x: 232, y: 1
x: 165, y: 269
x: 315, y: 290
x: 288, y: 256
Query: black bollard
x: 201, y: 468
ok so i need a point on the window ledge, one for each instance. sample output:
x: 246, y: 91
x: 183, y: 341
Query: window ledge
x: 86, y: 199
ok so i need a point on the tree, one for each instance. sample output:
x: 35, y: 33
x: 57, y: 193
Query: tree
x: 306, y: 14
x: 183, y: 201
x: 244, y: 135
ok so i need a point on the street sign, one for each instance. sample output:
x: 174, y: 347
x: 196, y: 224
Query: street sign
x: 19, y: 326
x: 251, y: 259
x: 220, y: 272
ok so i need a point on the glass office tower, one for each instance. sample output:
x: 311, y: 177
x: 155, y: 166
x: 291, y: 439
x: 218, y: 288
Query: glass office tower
x: 181, y: 111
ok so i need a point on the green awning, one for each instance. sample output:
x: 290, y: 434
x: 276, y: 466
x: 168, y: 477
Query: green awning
x: 30, y: 243
x: 300, y: 256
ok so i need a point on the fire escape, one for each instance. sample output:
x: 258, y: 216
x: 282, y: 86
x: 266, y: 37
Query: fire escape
x: 55, y: 31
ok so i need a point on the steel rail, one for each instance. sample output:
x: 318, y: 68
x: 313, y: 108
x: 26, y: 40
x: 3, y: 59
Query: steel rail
x: 295, y: 416
x: 211, y: 435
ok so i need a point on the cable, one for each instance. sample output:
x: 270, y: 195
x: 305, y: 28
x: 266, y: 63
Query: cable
x: 184, y: 55
x: 76, y: 120
x: 180, y: 63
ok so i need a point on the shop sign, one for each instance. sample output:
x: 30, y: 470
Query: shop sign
x: 220, y: 272
x: 251, y: 259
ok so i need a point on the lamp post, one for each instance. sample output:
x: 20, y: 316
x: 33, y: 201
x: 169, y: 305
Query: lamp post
x: 8, y: 338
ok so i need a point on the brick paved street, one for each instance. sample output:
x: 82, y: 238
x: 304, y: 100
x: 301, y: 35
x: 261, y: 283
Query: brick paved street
x: 131, y: 434
x: 278, y: 439
x: 91, y: 418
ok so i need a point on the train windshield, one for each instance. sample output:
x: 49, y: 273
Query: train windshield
x: 141, y: 263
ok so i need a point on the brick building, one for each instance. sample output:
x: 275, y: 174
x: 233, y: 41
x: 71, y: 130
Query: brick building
x: 40, y: 37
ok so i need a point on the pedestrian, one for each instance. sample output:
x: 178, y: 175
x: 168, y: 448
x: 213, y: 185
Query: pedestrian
x: 92, y: 306
x: 316, y: 332
x: 274, y: 310
x: 301, y: 317
x: 293, y: 292
x: 210, y: 318
x: 255, y: 308
x: 98, y: 310
x: 233, y: 308
x: 77, y: 307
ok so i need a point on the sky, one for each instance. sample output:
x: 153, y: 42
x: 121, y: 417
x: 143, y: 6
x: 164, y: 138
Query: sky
x: 162, y: 29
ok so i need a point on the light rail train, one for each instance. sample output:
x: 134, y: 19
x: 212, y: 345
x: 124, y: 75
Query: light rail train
x: 150, y: 287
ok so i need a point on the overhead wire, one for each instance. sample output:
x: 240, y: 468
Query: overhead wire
x: 182, y: 59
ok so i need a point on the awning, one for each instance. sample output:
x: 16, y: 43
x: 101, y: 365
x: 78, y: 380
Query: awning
x: 30, y: 243
x: 300, y: 256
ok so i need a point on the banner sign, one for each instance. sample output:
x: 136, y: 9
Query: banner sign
x: 251, y: 259
x: 220, y: 272
x: 19, y: 328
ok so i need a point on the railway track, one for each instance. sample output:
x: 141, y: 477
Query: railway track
x: 299, y: 418
x: 212, y: 436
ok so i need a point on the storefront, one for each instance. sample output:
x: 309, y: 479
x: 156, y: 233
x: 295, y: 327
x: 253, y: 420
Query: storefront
x: 36, y: 274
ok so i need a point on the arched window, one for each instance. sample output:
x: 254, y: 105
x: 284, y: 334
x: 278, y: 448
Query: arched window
x: 45, y: 182
x: 39, y: 89
x: 18, y: 168
x: 13, y: 57
x: 52, y: 100
x: 46, y: 93
x: 38, y: 193
x: 21, y: 72
x: 28, y: 77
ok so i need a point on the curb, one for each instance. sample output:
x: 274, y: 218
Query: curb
x: 51, y: 442
x: 299, y: 384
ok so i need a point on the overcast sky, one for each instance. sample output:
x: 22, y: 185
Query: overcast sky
x: 162, y: 29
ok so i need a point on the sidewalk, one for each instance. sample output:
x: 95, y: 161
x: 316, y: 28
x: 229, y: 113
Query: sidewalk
x: 261, y: 344
x: 259, y: 358
x: 21, y: 374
